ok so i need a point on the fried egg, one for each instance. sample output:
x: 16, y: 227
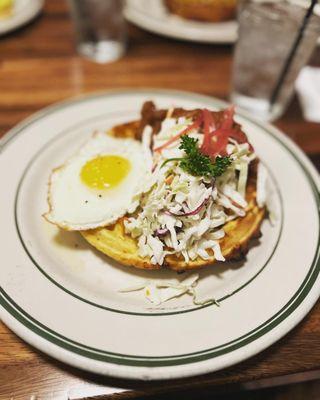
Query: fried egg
x: 100, y: 184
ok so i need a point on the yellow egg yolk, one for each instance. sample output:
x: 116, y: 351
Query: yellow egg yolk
x: 104, y: 172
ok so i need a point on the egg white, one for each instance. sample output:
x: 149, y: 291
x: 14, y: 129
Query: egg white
x: 75, y: 206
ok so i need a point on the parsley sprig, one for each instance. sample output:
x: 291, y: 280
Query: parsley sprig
x: 198, y: 164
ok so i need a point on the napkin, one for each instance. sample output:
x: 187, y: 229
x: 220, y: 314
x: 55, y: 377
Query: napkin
x: 308, y: 89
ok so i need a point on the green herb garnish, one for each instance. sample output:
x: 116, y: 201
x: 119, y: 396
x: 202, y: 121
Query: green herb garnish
x: 198, y: 164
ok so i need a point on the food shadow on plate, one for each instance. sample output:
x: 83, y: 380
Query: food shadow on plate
x: 74, y: 241
x: 70, y: 240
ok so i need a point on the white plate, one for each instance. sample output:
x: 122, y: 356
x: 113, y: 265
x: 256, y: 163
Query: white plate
x: 153, y: 16
x: 61, y: 296
x: 23, y: 12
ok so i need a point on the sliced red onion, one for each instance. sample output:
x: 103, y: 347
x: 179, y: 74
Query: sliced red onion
x: 235, y: 203
x: 194, y: 212
x: 162, y: 232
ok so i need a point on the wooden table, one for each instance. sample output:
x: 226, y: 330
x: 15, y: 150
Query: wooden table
x: 39, y: 66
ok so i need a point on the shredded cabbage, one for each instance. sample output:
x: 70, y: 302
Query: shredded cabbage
x: 158, y: 292
x: 265, y: 195
x: 172, y: 192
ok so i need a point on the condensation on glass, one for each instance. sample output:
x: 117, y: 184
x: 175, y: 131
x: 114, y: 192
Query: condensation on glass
x: 267, y: 31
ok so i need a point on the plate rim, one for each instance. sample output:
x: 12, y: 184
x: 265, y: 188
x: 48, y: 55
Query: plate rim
x: 293, y: 148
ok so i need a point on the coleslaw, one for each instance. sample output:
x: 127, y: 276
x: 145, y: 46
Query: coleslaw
x: 182, y: 214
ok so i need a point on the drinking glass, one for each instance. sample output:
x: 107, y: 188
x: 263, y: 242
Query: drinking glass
x: 100, y: 29
x: 267, y: 32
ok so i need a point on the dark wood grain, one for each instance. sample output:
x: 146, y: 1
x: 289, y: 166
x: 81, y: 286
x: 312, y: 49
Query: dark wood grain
x: 39, y: 66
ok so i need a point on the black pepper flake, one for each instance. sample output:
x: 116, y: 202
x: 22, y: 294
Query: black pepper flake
x: 86, y: 201
x: 100, y: 195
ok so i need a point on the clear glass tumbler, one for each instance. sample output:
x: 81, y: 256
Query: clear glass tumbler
x: 100, y: 29
x: 267, y: 32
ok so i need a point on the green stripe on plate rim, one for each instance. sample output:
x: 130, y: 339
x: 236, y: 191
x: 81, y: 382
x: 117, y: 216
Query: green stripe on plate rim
x: 153, y: 313
x: 133, y: 360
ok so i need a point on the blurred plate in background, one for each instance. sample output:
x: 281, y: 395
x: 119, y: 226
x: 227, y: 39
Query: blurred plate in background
x: 153, y: 16
x: 23, y: 12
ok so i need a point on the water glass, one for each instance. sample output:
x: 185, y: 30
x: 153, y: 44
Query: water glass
x: 267, y: 32
x: 100, y: 29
